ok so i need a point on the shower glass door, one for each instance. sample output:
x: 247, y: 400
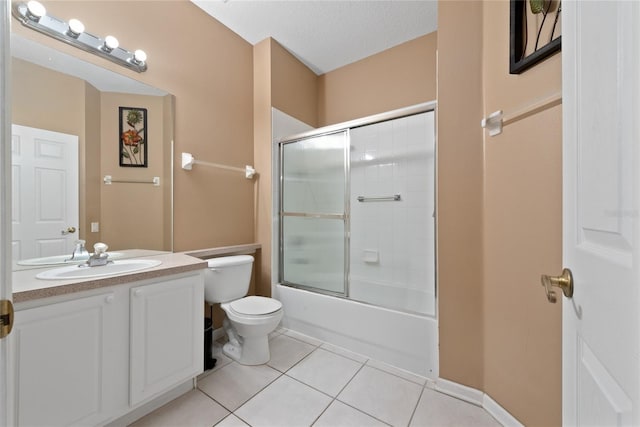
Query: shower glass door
x: 314, y: 213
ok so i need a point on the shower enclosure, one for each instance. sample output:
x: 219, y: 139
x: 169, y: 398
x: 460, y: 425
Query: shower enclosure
x: 356, y: 223
x: 357, y: 212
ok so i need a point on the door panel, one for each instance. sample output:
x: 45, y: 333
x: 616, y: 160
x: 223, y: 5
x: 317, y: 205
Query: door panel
x: 314, y: 252
x: 314, y: 212
x: 45, y: 192
x: 601, y: 187
x: 601, y: 400
x: 6, y: 411
x: 314, y: 175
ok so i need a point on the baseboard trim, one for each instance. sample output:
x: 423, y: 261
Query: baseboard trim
x: 218, y: 333
x: 460, y: 391
x: 499, y: 413
x: 478, y: 398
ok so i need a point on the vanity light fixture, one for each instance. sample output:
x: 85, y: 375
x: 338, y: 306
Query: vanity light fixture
x: 110, y: 43
x: 139, y: 57
x: 33, y: 14
x: 35, y: 10
x: 75, y: 28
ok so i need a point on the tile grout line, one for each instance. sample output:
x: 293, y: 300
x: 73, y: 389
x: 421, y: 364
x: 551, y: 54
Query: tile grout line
x: 240, y: 418
x: 396, y: 375
x: 232, y: 412
x: 351, y: 406
x: 413, y: 413
x: 252, y: 396
x: 281, y: 374
x: 343, y: 355
x: 333, y: 399
x: 303, y: 341
x: 295, y: 364
x: 366, y: 362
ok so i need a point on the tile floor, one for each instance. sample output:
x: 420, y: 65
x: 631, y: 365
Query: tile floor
x: 308, y: 382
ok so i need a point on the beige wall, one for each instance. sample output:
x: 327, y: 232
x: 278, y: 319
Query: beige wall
x: 48, y: 100
x: 262, y: 160
x: 523, y: 233
x: 398, y: 77
x: 168, y: 131
x: 133, y: 214
x: 90, y: 170
x: 294, y: 86
x: 211, y: 77
x: 460, y: 192
x: 497, y: 331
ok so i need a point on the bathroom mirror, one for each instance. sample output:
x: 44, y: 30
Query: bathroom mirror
x: 56, y: 92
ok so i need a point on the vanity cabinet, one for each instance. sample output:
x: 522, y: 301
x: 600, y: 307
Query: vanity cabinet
x: 97, y: 355
x: 58, y: 352
x: 166, y: 335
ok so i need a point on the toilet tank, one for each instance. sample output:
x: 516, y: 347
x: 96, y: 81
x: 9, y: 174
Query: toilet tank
x: 227, y: 278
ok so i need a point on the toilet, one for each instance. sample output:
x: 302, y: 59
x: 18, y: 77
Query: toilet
x: 249, y: 319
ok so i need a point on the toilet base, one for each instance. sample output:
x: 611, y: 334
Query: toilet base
x: 233, y: 352
x: 252, y: 351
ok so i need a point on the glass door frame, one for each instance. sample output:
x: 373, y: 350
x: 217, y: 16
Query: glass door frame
x: 345, y: 216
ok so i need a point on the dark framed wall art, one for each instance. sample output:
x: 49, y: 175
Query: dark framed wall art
x: 133, y: 137
x: 535, y: 32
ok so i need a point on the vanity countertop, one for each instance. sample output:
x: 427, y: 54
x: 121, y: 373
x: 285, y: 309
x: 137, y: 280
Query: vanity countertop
x: 26, y: 287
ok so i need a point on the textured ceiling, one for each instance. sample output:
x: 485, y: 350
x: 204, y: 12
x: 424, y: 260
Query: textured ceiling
x: 326, y: 34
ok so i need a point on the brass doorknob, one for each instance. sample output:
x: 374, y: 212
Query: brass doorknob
x: 69, y: 230
x: 564, y: 282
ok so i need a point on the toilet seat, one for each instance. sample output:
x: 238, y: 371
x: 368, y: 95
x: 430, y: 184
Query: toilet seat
x: 254, y: 306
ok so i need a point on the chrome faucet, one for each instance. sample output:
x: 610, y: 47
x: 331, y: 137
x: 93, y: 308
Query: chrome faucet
x: 80, y: 253
x: 99, y: 256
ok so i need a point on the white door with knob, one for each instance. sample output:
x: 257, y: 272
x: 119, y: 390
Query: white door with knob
x: 601, y: 210
x: 44, y: 193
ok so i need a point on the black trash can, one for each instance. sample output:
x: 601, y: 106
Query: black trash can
x: 209, y: 361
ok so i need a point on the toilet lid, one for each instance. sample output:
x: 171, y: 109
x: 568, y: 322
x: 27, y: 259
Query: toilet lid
x: 254, y: 306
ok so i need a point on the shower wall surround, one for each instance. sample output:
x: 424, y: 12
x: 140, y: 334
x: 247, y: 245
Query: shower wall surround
x: 392, y: 253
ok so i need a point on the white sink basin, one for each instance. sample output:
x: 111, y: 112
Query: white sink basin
x: 61, y: 259
x: 81, y: 272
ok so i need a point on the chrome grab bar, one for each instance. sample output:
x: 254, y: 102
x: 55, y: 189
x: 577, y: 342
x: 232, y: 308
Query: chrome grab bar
x: 108, y: 180
x: 394, y: 198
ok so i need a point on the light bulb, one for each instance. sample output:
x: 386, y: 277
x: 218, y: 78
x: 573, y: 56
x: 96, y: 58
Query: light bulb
x: 110, y: 43
x: 75, y: 28
x: 139, y: 56
x: 35, y: 10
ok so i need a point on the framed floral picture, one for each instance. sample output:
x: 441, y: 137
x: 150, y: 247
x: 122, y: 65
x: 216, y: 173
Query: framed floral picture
x: 535, y: 32
x: 133, y: 137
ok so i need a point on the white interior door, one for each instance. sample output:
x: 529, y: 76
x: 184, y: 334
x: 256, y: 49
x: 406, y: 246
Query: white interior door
x: 601, y: 161
x: 45, y: 192
x: 5, y: 202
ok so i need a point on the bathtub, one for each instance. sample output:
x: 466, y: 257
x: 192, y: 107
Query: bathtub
x: 403, y: 340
